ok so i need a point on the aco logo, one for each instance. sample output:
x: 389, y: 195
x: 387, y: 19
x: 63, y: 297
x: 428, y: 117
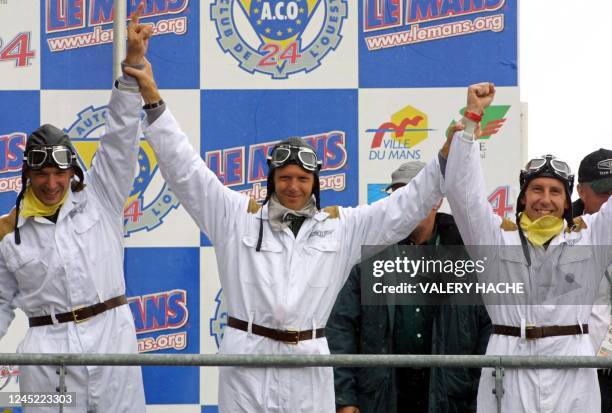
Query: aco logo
x: 279, y: 37
x: 149, y: 201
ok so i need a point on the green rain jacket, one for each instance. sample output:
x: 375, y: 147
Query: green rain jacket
x: 356, y: 329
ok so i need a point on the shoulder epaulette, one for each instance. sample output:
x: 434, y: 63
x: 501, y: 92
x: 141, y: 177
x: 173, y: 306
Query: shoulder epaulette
x: 333, y: 211
x: 578, y: 226
x: 7, y: 223
x: 253, y: 206
x: 508, y: 225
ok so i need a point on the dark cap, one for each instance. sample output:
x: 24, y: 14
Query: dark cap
x: 596, y: 170
x: 48, y: 135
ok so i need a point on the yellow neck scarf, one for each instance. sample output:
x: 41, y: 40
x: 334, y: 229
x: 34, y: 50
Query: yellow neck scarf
x: 542, y: 229
x: 31, y: 206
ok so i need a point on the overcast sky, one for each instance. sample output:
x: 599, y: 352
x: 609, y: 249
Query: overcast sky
x: 566, y: 76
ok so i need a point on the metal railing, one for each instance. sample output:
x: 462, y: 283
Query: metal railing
x: 499, y: 363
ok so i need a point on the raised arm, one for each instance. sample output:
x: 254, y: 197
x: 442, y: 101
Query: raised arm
x: 212, y: 205
x: 392, y: 219
x: 465, y: 186
x: 114, y: 166
x: 601, y: 225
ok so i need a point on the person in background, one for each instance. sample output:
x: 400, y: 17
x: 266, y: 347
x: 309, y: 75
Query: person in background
x: 407, y: 329
x: 594, y: 189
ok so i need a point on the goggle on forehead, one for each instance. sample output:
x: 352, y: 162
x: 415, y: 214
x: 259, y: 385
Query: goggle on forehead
x: 304, y: 157
x: 558, y: 167
x: 59, y: 156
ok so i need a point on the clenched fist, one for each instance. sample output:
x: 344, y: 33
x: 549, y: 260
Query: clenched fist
x: 479, y: 97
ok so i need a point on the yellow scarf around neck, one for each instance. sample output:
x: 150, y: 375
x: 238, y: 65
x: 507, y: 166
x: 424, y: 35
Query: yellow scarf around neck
x: 31, y: 206
x: 542, y: 229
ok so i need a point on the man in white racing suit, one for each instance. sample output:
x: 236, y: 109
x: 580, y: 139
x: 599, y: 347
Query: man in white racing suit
x: 553, y: 252
x: 281, y: 265
x: 61, y: 257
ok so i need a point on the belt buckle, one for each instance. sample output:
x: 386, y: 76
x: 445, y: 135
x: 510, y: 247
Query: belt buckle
x: 75, y: 318
x: 527, y: 328
x: 297, y: 337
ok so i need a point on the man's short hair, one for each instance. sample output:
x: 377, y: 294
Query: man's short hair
x: 596, y: 170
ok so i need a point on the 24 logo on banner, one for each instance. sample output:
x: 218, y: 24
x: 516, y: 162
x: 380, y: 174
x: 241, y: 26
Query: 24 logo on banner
x: 279, y: 38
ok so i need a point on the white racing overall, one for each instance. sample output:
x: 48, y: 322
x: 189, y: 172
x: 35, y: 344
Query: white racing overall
x: 78, y: 261
x: 292, y: 283
x: 533, y: 390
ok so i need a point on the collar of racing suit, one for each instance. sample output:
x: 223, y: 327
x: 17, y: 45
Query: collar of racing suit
x: 281, y: 217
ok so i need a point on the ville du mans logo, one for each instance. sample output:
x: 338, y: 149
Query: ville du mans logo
x: 279, y: 38
x: 397, y: 137
x: 145, y: 208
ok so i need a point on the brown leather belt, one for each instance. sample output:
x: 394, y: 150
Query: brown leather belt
x: 533, y: 332
x: 286, y: 336
x: 79, y: 315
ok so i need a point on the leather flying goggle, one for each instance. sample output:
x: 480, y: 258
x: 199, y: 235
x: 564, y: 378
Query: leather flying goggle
x: 559, y: 167
x: 59, y: 156
x: 285, y: 154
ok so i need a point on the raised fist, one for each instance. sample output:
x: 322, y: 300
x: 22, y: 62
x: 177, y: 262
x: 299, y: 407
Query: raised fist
x: 480, y: 96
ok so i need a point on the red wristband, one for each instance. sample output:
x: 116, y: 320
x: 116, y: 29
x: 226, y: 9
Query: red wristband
x: 473, y: 116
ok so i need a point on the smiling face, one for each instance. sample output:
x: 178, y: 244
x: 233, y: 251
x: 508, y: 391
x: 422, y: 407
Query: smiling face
x: 544, y: 196
x: 50, y: 184
x: 293, y: 186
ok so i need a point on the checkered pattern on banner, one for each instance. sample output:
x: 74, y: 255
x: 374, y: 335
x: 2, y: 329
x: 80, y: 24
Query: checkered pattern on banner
x: 371, y: 83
